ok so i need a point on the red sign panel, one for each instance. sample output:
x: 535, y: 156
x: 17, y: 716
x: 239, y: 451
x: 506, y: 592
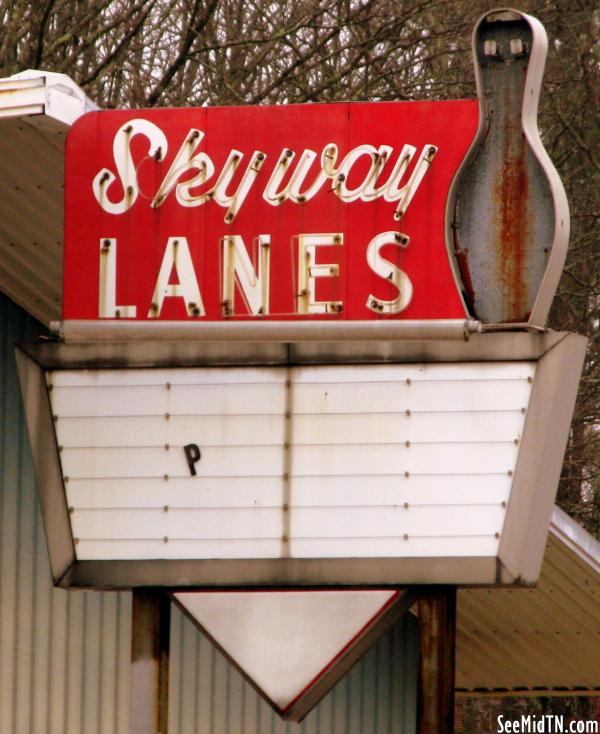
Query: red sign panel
x: 310, y: 211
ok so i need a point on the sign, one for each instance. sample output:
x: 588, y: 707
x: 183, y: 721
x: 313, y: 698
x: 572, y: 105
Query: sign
x: 270, y: 460
x: 312, y: 211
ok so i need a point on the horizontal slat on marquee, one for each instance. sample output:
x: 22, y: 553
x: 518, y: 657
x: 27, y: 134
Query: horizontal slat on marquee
x: 417, y: 490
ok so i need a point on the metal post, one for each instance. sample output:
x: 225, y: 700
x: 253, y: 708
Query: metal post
x: 437, y: 633
x: 150, y: 624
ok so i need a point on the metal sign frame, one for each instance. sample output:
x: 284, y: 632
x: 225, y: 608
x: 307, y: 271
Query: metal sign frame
x: 559, y: 357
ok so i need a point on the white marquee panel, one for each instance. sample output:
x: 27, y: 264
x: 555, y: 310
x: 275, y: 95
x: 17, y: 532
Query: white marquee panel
x: 212, y: 430
x: 176, y: 377
x: 189, y: 524
x: 148, y: 400
x: 415, y: 427
x: 176, y: 492
x: 158, y: 461
x: 144, y: 549
x: 428, y: 396
x: 396, y: 531
x: 427, y: 547
x: 430, y: 546
x: 336, y: 461
x: 416, y: 490
x: 328, y: 458
x: 395, y: 522
x: 238, y: 429
x: 331, y: 523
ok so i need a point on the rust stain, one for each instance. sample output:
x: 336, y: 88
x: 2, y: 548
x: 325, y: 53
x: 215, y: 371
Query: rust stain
x: 462, y: 260
x: 513, y: 239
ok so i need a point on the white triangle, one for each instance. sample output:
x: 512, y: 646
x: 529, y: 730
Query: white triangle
x: 284, y: 640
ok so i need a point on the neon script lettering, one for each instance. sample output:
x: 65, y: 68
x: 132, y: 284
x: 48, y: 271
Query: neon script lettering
x: 283, y: 180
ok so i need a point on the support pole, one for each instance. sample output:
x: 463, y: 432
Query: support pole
x: 150, y: 625
x: 437, y: 634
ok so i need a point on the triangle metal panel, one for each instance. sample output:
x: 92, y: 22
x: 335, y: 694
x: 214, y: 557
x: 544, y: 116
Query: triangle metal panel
x: 294, y: 646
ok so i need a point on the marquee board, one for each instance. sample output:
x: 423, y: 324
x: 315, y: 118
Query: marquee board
x: 305, y: 473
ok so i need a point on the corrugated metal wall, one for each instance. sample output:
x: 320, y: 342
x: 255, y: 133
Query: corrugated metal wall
x: 64, y: 656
